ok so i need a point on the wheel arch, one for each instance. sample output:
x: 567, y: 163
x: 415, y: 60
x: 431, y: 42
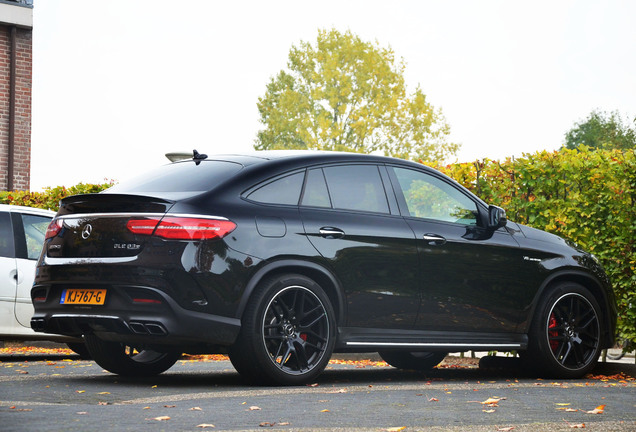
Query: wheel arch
x: 602, y: 294
x: 323, y: 277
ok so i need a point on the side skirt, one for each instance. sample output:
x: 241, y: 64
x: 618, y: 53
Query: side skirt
x: 351, y: 339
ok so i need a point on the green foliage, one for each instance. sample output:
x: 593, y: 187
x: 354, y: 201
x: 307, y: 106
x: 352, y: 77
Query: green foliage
x: 603, y: 131
x: 345, y: 94
x: 587, y: 196
x: 50, y: 198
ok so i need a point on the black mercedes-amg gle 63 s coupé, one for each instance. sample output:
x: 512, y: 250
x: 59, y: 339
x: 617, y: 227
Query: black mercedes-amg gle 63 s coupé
x: 280, y: 259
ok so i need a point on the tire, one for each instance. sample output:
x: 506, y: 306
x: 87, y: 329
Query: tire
x: 419, y: 361
x: 621, y: 344
x: 565, y: 335
x: 288, y: 332
x: 80, y: 349
x: 125, y: 360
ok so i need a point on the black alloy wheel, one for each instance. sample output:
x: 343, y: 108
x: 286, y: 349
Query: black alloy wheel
x: 565, y: 339
x: 419, y: 361
x: 127, y: 360
x: 287, y: 334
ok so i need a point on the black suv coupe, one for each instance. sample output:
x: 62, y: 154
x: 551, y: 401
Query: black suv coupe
x: 282, y: 258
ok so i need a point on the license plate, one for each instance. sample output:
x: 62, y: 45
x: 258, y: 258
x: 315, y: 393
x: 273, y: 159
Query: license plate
x: 83, y: 296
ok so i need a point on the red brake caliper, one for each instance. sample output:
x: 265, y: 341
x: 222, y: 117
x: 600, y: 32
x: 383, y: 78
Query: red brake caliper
x: 303, y: 336
x: 554, y: 344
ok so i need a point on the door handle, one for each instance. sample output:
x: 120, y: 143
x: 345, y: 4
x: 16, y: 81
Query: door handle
x: 434, y: 239
x: 331, y: 233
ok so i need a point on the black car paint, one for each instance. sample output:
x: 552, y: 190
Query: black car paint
x: 387, y: 285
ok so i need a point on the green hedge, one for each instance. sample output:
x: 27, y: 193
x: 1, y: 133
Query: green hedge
x: 50, y: 198
x: 587, y: 196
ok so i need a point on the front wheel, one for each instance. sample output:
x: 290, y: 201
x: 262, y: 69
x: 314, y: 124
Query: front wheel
x: 128, y: 360
x: 565, y: 335
x: 287, y: 332
x: 419, y: 361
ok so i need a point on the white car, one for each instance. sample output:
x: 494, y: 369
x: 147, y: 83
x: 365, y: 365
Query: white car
x: 22, y: 231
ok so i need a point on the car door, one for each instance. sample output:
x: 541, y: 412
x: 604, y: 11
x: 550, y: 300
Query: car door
x: 360, y: 236
x: 8, y: 275
x: 30, y: 230
x: 467, y: 278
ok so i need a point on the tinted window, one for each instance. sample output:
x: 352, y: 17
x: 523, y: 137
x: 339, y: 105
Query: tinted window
x: 431, y: 198
x: 34, y: 231
x: 285, y: 190
x: 180, y: 177
x: 356, y: 187
x: 316, y: 194
x: 6, y: 236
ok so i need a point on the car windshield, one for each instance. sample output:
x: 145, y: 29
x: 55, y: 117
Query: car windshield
x: 187, y: 176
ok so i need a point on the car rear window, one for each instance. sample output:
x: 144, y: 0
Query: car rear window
x: 187, y: 176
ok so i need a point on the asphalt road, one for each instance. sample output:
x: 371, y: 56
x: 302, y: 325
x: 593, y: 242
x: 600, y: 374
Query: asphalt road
x: 56, y: 393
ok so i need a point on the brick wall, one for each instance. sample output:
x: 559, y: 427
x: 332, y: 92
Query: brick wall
x: 22, y: 131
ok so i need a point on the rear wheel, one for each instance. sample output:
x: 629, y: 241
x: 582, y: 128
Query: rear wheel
x: 128, y: 360
x: 287, y: 332
x: 420, y: 361
x: 565, y: 336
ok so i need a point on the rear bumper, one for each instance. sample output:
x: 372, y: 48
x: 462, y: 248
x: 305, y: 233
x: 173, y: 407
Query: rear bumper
x: 187, y: 330
x: 161, y: 321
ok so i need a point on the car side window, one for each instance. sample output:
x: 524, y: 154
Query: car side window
x: 356, y: 187
x: 34, y: 232
x: 316, y: 193
x: 285, y: 190
x: 428, y: 197
x: 7, y: 249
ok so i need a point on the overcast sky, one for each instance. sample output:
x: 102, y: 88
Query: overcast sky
x: 118, y: 83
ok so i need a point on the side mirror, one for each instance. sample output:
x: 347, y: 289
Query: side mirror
x: 496, y: 217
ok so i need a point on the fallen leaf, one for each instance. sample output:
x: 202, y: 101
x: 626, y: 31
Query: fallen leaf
x: 146, y: 408
x: 254, y: 408
x: 266, y: 424
x: 283, y: 424
x: 161, y: 418
x: 80, y: 391
x: 82, y: 413
x: 205, y: 425
x: 598, y: 410
x: 489, y: 411
x: 563, y: 404
x: 325, y: 410
x: 103, y: 403
x: 195, y: 409
x: 492, y: 401
x: 396, y: 429
x: 433, y: 399
x: 312, y: 385
x: 103, y: 393
x: 169, y: 406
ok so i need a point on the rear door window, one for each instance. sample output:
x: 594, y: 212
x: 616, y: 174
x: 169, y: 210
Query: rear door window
x: 356, y: 187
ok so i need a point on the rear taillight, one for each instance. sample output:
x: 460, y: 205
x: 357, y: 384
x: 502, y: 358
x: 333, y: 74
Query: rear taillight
x: 54, y: 228
x: 182, y: 228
